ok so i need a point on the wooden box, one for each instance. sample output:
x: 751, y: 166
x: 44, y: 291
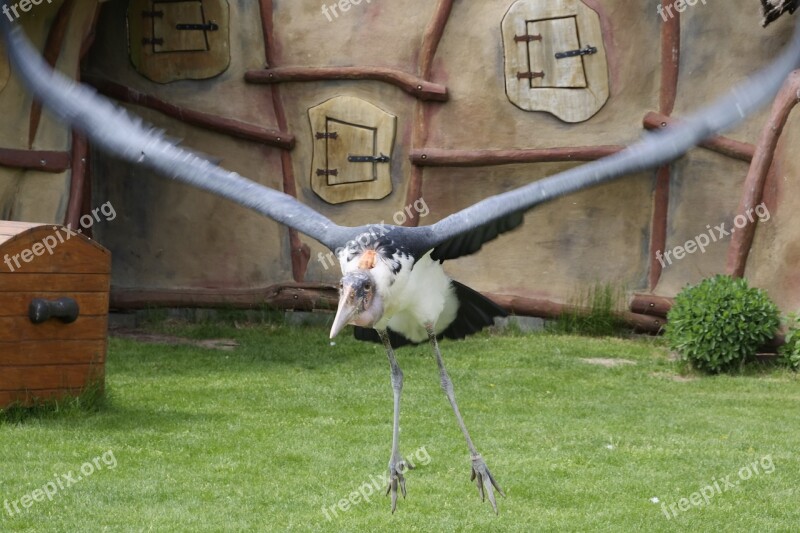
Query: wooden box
x: 50, y: 349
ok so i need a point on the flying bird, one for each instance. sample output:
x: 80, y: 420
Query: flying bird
x: 393, y: 287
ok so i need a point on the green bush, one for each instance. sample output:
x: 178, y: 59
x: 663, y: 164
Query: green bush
x: 720, y: 323
x: 790, y: 352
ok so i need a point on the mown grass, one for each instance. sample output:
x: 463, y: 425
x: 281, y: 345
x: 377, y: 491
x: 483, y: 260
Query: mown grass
x: 264, y: 437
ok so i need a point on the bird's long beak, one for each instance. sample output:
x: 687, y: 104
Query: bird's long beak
x: 345, y: 312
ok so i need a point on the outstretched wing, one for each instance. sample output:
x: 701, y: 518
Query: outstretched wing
x: 459, y: 234
x: 466, y: 231
x: 110, y: 127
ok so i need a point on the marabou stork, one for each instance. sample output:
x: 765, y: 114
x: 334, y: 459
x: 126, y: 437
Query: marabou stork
x: 392, y: 278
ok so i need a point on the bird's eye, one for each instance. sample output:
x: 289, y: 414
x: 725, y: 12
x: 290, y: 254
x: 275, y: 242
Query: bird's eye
x: 368, y: 286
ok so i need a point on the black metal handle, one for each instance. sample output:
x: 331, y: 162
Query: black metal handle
x: 65, y: 309
x: 368, y: 158
x: 587, y: 50
x: 211, y: 26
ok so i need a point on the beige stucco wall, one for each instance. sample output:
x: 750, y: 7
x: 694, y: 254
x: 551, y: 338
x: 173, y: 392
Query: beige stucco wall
x: 170, y: 236
x: 32, y: 195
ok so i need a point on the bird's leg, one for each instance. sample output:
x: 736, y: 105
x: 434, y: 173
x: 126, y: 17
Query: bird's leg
x: 397, y: 465
x: 480, y: 473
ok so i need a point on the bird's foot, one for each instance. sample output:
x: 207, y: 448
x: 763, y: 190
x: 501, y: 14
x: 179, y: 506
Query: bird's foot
x: 484, y: 480
x: 397, y: 467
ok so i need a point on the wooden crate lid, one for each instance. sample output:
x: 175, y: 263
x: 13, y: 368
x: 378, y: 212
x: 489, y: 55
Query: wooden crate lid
x: 49, y: 248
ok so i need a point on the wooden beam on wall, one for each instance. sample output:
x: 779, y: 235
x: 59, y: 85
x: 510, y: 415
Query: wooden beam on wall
x: 413, y: 85
x: 438, y: 157
x: 742, y: 240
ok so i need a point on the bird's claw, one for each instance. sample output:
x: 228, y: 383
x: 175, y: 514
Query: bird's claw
x: 397, y: 467
x: 484, y: 480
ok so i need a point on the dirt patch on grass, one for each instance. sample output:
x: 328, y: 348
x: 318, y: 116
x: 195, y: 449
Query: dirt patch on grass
x: 608, y: 363
x: 227, y: 345
x: 673, y: 377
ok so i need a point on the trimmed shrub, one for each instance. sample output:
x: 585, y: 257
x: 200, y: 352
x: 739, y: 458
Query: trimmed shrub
x: 719, y: 323
x: 790, y: 352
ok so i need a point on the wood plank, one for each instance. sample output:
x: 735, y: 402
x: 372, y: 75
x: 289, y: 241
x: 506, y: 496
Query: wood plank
x: 17, y: 329
x: 52, y: 352
x: 16, y: 226
x: 361, y: 128
x: 89, y: 303
x: 53, y: 249
x: 148, y: 59
x: 174, y: 40
x: 569, y: 104
x: 16, y: 378
x: 557, y: 35
x: 56, y: 282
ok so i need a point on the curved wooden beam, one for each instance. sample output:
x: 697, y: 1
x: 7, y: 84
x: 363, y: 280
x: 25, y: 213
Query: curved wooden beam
x: 722, y: 145
x: 52, y: 50
x: 658, y: 224
x: 320, y: 296
x: 228, y: 126
x: 419, y: 88
x: 298, y: 250
x: 80, y: 182
x: 80, y: 154
x: 422, y: 117
x: 742, y: 240
x: 548, y: 309
x: 670, y: 61
x: 670, y: 70
x: 297, y: 296
x: 649, y: 304
x: 438, y: 157
x: 433, y: 36
x: 45, y: 161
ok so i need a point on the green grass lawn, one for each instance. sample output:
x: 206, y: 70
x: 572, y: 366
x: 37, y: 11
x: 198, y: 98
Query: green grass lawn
x: 266, y: 436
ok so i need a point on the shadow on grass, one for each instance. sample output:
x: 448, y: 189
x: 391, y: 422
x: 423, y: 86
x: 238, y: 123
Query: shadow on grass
x: 94, y: 398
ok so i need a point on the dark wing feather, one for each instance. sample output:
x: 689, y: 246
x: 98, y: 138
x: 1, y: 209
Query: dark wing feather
x: 772, y: 9
x: 470, y: 242
x: 475, y: 312
x: 111, y: 128
x: 464, y: 232
x: 370, y: 335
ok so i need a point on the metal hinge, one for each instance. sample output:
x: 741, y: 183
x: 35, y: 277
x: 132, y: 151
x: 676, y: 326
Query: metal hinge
x: 331, y: 135
x: 153, y: 14
x: 527, y: 38
x: 323, y: 172
x: 529, y: 75
x: 157, y: 41
x: 368, y: 158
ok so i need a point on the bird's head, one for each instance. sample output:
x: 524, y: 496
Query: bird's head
x: 359, y: 301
